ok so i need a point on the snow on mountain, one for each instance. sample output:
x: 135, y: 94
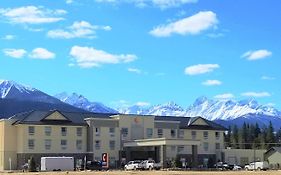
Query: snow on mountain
x: 13, y: 90
x: 7, y: 86
x: 210, y: 109
x: 134, y: 109
x: 167, y: 109
x: 81, y: 102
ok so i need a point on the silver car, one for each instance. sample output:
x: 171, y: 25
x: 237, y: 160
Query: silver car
x: 132, y: 165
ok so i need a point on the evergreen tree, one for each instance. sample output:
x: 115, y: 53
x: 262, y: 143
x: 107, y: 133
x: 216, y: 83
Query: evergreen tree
x: 243, y: 136
x: 270, y: 136
x: 234, y: 137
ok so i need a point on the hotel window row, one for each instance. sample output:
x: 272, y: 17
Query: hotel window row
x: 111, y: 132
x: 48, y: 131
x: 48, y: 144
x: 112, y: 144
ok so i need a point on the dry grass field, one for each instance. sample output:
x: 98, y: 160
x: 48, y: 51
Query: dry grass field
x: 153, y: 173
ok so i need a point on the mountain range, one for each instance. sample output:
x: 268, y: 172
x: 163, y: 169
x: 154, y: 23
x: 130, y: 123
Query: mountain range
x: 16, y: 98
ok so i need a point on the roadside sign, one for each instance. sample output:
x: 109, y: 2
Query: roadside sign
x: 104, y: 159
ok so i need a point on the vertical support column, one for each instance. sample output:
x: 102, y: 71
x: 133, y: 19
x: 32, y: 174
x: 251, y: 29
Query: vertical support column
x: 162, y: 156
x: 128, y: 154
x: 194, y: 156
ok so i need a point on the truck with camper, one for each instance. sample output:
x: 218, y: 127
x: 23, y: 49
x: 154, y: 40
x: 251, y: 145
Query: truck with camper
x: 257, y: 166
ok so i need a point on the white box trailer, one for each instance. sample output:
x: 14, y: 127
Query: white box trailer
x: 57, y: 163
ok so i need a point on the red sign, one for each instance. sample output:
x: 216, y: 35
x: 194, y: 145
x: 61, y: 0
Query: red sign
x: 104, y: 159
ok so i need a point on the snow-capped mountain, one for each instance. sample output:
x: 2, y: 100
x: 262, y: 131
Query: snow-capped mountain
x: 167, y: 109
x: 229, y: 109
x: 15, y: 98
x: 81, y: 102
x: 225, y: 112
x: 13, y: 90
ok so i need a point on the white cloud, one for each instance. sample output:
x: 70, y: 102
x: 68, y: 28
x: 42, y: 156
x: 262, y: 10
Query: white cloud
x: 41, y: 53
x: 163, y: 4
x: 267, y: 78
x: 134, y: 70
x: 15, y: 53
x: 32, y: 15
x: 256, y: 94
x: 224, y: 96
x: 90, y: 57
x: 79, y: 29
x: 212, y: 83
x: 9, y: 37
x: 200, y: 69
x: 187, y: 26
x: 141, y: 103
x: 257, y: 54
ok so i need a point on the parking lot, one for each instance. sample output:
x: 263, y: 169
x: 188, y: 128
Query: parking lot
x: 151, y: 173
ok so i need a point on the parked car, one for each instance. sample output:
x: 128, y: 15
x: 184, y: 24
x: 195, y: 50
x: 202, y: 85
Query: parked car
x: 132, y: 165
x: 150, y: 165
x: 236, y: 167
x: 94, y: 165
x: 257, y: 166
x: 223, y: 166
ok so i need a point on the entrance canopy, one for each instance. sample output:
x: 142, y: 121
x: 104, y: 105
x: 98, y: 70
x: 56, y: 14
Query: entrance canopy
x: 160, y: 142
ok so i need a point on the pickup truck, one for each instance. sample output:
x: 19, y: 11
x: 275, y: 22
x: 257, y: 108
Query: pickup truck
x: 149, y: 165
x: 257, y: 166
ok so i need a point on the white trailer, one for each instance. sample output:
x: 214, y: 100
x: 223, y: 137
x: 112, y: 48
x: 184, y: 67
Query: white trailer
x: 57, y: 163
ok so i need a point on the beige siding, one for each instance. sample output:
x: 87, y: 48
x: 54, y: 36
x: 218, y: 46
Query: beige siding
x: 275, y: 158
x: 39, y: 138
x: 55, y: 116
x: 8, y: 141
x: 199, y: 121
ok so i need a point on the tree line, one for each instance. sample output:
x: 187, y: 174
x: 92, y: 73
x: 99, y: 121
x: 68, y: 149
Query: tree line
x: 252, y: 136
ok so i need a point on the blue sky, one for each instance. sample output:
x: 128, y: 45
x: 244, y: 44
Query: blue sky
x: 144, y: 51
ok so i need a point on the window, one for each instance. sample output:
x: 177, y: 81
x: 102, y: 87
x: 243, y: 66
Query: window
x: 112, y: 131
x: 217, y: 145
x: 149, y: 132
x: 112, y: 144
x: 205, y: 134
x: 31, y: 130
x: 48, y: 130
x: 173, y: 133
x: 31, y: 144
x: 173, y: 148
x: 181, y: 133
x: 206, y: 146
x: 160, y: 132
x: 97, y: 145
x: 124, y: 132
x: 63, y: 131
x: 180, y: 148
x: 79, y: 144
x: 63, y: 144
x: 193, y: 135
x: 79, y: 132
x: 48, y: 144
x: 97, y: 131
x: 217, y: 135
